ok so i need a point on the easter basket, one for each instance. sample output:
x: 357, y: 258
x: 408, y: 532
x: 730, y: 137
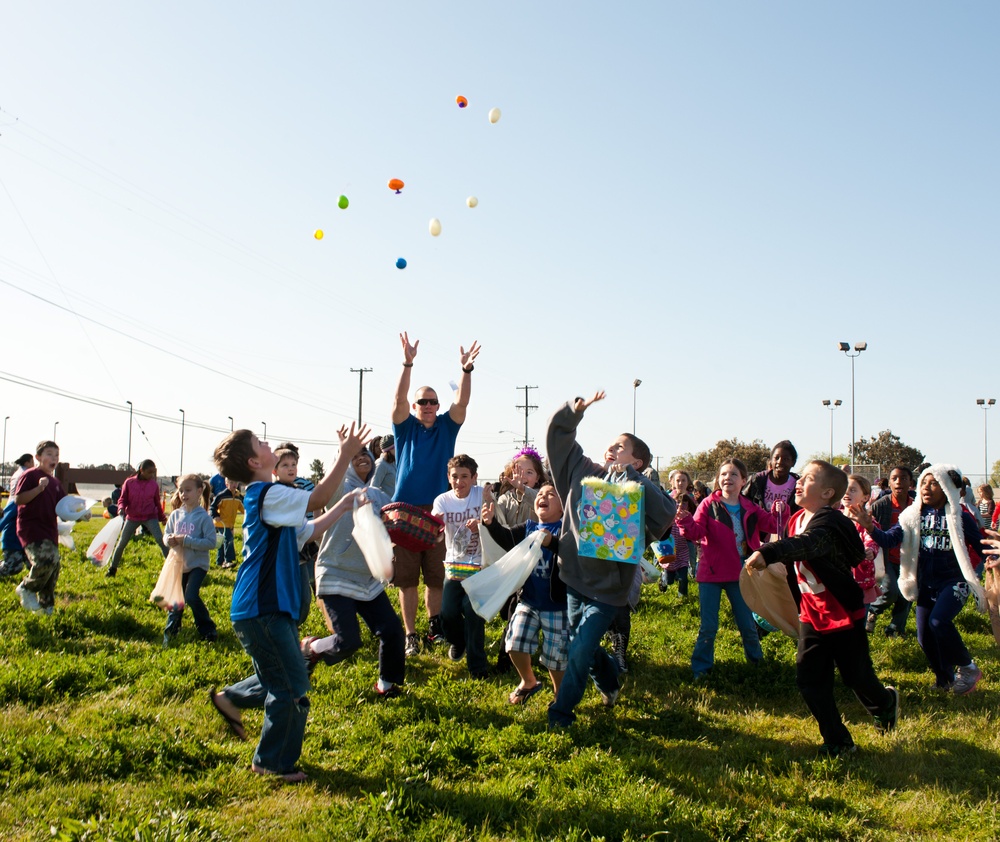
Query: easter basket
x: 410, y: 527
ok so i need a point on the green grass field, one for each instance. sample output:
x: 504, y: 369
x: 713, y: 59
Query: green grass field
x: 107, y: 736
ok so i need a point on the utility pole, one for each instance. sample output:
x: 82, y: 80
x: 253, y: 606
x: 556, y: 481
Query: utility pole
x: 361, y: 388
x: 527, y: 408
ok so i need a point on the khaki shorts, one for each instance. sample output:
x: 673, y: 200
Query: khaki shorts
x: 409, y: 565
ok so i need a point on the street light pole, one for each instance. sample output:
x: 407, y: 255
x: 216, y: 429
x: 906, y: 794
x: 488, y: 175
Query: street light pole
x: 265, y: 429
x: 832, y: 405
x: 54, y: 430
x: 230, y: 417
x: 986, y: 404
x: 858, y: 348
x: 635, y: 388
x: 129, y: 434
x: 180, y: 471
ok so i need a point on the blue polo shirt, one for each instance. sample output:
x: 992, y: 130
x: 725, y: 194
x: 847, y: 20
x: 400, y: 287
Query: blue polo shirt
x: 422, y: 456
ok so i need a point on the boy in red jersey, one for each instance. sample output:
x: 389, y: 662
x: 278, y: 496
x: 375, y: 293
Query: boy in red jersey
x: 825, y: 546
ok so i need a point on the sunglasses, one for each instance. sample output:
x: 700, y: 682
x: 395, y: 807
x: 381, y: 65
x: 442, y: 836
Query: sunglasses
x: 427, y: 402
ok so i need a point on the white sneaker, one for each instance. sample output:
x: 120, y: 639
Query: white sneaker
x: 966, y: 679
x: 29, y: 599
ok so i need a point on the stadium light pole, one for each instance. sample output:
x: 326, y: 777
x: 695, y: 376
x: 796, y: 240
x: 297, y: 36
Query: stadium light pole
x: 635, y: 390
x: 832, y: 405
x: 987, y: 404
x: 129, y: 433
x: 858, y: 348
x: 3, y: 461
x: 180, y: 471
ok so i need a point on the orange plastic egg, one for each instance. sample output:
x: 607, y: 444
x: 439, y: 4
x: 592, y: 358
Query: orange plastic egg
x: 396, y: 184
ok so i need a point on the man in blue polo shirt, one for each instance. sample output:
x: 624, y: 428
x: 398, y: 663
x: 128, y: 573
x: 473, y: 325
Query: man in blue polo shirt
x: 425, y: 441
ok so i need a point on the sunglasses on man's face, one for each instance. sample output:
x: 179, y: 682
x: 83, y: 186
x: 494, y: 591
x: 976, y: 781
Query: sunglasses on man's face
x: 427, y: 401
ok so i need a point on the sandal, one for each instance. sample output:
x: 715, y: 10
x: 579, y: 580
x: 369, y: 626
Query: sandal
x: 522, y: 694
x: 296, y: 776
x: 235, y: 725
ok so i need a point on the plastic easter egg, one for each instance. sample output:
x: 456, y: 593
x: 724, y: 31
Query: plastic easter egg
x: 396, y: 184
x: 342, y: 202
x: 462, y: 101
x: 494, y: 115
x: 434, y: 227
x: 318, y: 233
x: 472, y: 201
x: 401, y: 263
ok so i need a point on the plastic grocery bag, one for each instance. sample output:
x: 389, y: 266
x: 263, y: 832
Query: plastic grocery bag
x: 169, y: 591
x: 103, y: 545
x: 72, y: 507
x: 492, y: 552
x: 489, y: 589
x: 766, y: 593
x: 65, y: 528
x: 650, y: 572
x: 373, y: 538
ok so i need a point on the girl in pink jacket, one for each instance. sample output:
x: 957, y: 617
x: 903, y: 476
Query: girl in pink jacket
x: 726, y: 526
x: 140, y: 506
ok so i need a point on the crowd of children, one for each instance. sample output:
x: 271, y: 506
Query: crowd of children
x: 848, y: 557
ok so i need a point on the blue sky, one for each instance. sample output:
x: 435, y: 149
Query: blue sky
x: 707, y: 197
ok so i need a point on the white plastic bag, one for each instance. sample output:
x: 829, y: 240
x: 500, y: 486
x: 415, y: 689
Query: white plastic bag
x: 66, y: 534
x: 492, y: 552
x: 490, y: 589
x: 169, y: 591
x: 373, y: 539
x: 650, y: 572
x: 72, y: 507
x: 103, y: 545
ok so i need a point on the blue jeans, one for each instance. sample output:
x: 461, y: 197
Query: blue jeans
x: 588, y: 621
x: 191, y: 582
x: 152, y: 526
x: 227, y: 549
x: 936, y: 632
x: 709, y: 599
x: 342, y: 613
x: 463, y: 626
x: 272, y: 641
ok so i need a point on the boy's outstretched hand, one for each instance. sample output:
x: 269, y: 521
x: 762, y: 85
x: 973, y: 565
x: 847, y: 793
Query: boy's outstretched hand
x: 860, y: 514
x: 755, y: 562
x: 468, y: 357
x: 351, y: 441
x: 409, y: 351
x: 581, y: 404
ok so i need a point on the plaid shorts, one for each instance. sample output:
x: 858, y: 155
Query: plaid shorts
x: 522, y: 635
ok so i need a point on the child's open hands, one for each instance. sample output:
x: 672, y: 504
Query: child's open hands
x: 860, y: 514
x: 351, y: 441
x: 469, y: 357
x: 582, y: 404
x: 409, y: 351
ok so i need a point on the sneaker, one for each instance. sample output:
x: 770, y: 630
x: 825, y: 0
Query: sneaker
x: 392, y: 693
x: 618, y: 645
x: 870, y: 623
x: 892, y: 632
x: 111, y: 572
x: 412, y: 645
x: 837, y: 751
x: 886, y: 721
x: 166, y: 641
x: 311, y: 658
x: 609, y: 699
x: 435, y: 634
x: 966, y: 679
x: 11, y: 569
x: 456, y: 652
x: 29, y: 599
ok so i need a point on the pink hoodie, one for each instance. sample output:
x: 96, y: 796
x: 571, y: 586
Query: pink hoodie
x: 140, y: 500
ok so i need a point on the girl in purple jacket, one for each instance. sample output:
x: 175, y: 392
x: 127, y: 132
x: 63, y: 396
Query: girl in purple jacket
x: 726, y: 526
x: 140, y: 506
